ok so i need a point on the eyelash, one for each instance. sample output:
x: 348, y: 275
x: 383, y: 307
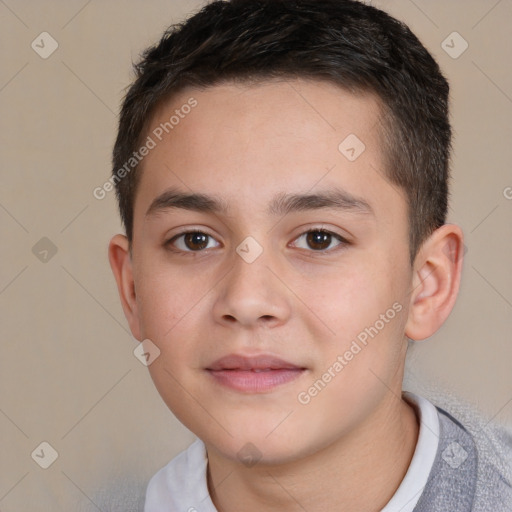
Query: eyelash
x: 342, y: 241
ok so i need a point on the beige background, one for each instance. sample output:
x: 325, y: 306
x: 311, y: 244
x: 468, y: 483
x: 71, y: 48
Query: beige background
x: 67, y: 372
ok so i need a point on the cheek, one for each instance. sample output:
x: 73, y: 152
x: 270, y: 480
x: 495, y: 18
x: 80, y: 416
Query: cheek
x: 345, y: 299
x: 169, y: 307
x: 172, y: 308
x: 360, y: 312
x: 165, y: 297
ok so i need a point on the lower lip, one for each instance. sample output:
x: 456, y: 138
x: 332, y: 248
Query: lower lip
x: 255, y: 382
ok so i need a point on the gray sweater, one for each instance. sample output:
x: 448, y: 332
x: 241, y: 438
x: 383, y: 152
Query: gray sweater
x: 471, y: 471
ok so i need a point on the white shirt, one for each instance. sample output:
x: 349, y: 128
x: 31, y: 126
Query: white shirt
x: 407, y: 495
x: 181, y: 486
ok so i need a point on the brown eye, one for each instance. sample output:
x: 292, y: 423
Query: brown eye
x: 193, y: 241
x: 318, y: 240
x: 196, y: 241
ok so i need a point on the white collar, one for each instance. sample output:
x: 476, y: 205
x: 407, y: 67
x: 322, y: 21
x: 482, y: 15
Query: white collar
x: 182, y: 484
x: 407, y: 495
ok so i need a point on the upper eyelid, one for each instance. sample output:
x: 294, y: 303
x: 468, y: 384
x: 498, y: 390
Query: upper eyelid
x: 189, y: 231
x: 323, y: 230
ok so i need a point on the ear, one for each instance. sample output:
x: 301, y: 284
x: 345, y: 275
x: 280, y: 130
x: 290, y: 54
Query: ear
x: 435, y: 284
x: 121, y: 264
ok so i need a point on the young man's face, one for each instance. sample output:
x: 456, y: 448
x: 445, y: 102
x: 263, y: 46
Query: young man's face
x: 327, y: 257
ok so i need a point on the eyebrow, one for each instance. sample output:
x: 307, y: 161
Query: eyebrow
x: 282, y: 204
x: 336, y: 199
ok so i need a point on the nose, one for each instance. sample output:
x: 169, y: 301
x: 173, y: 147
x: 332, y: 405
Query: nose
x: 252, y: 296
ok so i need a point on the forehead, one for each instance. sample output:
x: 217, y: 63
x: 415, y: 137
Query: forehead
x: 246, y: 143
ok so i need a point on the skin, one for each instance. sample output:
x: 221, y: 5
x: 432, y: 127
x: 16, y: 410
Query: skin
x: 246, y: 144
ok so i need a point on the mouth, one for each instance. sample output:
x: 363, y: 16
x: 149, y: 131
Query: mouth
x: 259, y: 374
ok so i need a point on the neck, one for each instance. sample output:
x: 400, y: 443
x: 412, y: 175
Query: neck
x: 361, y: 471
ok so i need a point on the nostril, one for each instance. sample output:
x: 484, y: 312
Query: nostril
x: 267, y: 318
x: 229, y: 318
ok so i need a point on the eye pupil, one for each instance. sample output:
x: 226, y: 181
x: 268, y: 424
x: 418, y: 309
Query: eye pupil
x: 319, y: 240
x: 196, y: 241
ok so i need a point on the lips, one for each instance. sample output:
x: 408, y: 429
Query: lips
x: 257, y: 374
x: 261, y: 362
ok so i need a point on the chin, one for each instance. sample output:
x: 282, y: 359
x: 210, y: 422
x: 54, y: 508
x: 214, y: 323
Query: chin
x: 254, y: 443
x: 250, y: 452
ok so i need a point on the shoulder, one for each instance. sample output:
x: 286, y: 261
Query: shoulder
x: 494, y: 483
x: 493, y: 450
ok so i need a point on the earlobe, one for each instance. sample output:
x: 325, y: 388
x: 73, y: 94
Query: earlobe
x: 121, y: 264
x: 435, y: 283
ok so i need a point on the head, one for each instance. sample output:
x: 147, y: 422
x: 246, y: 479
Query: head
x: 306, y: 143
